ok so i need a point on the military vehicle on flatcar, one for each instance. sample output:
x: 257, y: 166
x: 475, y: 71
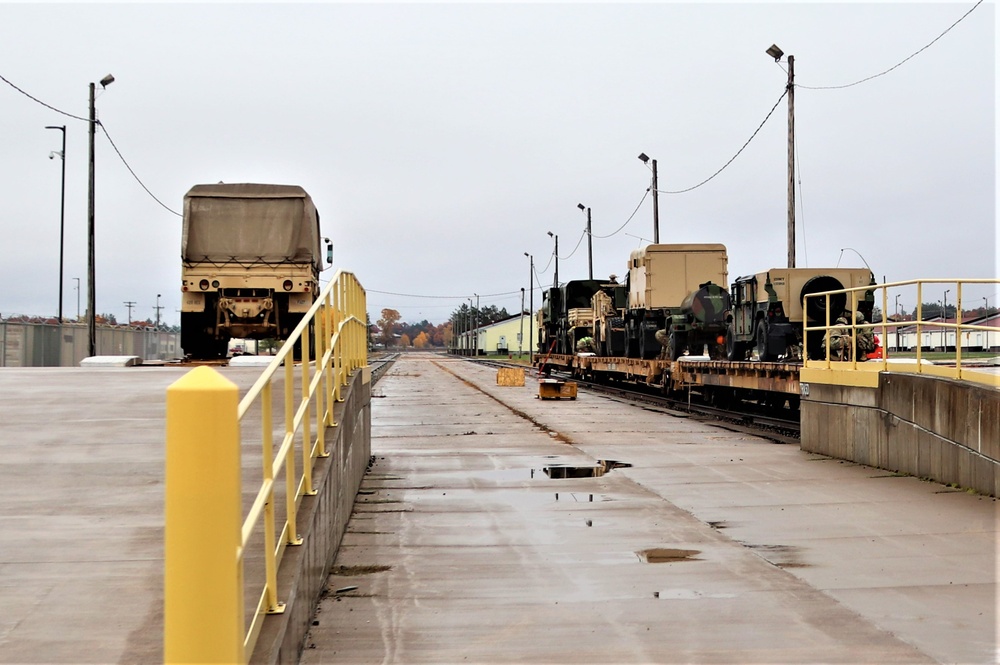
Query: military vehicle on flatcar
x: 768, y: 313
x: 679, y: 289
x: 250, y: 264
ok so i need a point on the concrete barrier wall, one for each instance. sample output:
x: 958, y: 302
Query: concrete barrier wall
x: 322, y: 521
x: 938, y: 429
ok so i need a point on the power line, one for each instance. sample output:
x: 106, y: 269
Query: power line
x: 35, y: 99
x: 682, y: 191
x: 582, y: 236
x: 105, y: 130
x: 619, y: 229
x: 414, y: 295
x: 912, y: 55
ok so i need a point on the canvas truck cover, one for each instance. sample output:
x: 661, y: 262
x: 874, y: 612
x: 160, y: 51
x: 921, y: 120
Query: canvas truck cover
x: 250, y: 223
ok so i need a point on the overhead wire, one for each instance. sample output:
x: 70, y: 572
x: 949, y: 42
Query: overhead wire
x: 104, y: 129
x: 620, y: 228
x: 36, y: 99
x: 912, y: 55
x: 733, y: 158
x: 130, y: 170
x: 582, y: 236
x: 801, y: 202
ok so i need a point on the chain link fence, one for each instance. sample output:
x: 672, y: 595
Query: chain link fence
x: 29, y: 344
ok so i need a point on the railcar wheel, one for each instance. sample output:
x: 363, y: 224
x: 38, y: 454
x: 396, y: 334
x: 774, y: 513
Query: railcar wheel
x: 763, y: 352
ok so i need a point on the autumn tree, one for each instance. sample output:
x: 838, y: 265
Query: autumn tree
x: 422, y: 340
x: 387, y: 325
x: 404, y: 341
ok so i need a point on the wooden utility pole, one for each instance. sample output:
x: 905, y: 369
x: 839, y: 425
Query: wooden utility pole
x: 791, y: 161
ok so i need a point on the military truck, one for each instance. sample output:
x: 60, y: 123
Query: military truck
x: 250, y: 264
x: 660, y: 278
x: 768, y: 313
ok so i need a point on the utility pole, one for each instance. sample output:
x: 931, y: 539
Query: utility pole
x: 791, y: 161
x: 590, y: 245
x: 158, y: 308
x: 62, y: 213
x: 91, y: 293
x: 477, y: 323
x: 656, y: 199
x: 91, y: 288
x: 520, y: 337
x: 130, y: 304
x: 531, y: 309
x: 556, y: 254
x: 77, y: 298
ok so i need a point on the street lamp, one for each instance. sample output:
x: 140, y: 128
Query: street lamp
x: 590, y: 246
x: 91, y: 290
x: 656, y: 199
x: 556, y: 254
x: 776, y: 53
x: 62, y: 209
x: 531, y: 309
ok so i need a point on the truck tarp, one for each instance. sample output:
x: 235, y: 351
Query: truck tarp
x: 250, y: 223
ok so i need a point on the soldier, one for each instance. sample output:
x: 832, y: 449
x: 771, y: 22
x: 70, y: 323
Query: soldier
x: 664, y: 339
x: 866, y: 337
x: 586, y: 345
x: 840, y: 339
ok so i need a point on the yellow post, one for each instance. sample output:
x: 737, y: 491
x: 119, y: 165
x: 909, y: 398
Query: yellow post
x: 203, y: 576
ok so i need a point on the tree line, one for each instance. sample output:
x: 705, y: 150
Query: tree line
x: 389, y: 331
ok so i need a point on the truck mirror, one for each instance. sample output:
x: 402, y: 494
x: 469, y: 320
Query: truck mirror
x: 329, y: 253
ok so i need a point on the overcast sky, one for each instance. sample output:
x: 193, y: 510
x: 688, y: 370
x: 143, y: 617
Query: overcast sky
x: 441, y: 142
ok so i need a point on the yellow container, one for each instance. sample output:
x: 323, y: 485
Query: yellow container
x: 555, y: 389
x: 510, y: 376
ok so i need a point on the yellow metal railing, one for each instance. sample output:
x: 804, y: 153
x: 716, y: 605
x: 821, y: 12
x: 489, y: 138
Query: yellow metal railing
x: 206, y: 545
x: 952, y: 367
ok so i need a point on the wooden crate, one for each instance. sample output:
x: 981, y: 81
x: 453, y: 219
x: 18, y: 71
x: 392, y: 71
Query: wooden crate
x: 556, y: 389
x: 510, y: 376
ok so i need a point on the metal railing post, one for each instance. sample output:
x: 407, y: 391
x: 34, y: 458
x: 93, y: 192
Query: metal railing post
x: 203, y: 580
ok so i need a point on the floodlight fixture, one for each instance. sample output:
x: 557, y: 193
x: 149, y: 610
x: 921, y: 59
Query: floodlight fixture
x: 107, y: 80
x: 644, y: 157
x: 775, y: 52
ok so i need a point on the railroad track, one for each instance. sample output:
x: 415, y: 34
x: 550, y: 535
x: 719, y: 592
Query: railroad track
x: 751, y: 420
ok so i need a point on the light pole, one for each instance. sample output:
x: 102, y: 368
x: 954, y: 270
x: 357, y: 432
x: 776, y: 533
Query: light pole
x: 77, y: 298
x: 556, y: 254
x: 62, y: 210
x: 531, y: 309
x: 656, y: 200
x: 477, y: 323
x: 158, y: 308
x: 468, y: 331
x: 520, y: 337
x: 91, y: 290
x: 590, y: 246
x: 776, y: 53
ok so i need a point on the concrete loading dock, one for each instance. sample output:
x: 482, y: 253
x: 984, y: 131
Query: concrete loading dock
x: 466, y: 545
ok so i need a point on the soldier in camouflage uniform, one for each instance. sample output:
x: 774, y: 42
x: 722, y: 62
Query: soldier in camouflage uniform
x: 586, y: 345
x: 840, y: 339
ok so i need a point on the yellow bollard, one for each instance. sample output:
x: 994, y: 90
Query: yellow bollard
x: 203, y: 577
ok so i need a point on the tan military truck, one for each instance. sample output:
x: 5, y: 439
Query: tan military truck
x: 660, y: 277
x: 250, y: 264
x: 768, y: 313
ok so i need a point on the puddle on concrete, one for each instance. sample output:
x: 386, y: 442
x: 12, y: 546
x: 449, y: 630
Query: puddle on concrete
x: 603, y: 466
x: 666, y: 555
x: 555, y: 471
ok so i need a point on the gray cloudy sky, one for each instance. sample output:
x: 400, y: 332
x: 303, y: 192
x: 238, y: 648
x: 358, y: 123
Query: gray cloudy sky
x: 441, y: 142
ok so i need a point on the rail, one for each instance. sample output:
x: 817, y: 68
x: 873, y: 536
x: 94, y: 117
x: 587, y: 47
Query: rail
x: 205, y: 593
x: 952, y: 367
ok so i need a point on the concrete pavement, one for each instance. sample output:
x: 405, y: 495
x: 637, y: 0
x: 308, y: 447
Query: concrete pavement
x: 463, y: 548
